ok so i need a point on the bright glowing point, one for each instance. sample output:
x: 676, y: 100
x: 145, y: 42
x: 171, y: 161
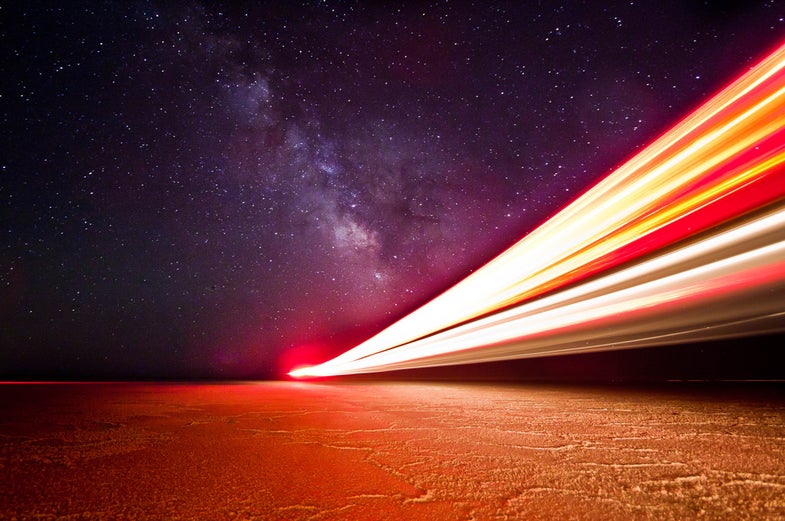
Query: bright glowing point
x: 684, y: 242
x: 303, y: 372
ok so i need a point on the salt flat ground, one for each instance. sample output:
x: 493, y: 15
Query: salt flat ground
x: 284, y: 450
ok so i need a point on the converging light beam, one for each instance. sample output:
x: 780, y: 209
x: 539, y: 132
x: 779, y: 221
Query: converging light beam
x: 683, y: 242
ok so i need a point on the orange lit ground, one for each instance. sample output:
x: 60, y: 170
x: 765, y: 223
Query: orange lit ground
x: 389, y: 451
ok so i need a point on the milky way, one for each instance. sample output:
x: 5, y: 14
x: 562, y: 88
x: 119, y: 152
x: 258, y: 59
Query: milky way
x: 194, y: 190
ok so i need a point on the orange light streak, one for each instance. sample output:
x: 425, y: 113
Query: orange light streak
x: 701, y: 178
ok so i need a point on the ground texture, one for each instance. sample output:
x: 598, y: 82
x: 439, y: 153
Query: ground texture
x: 390, y: 451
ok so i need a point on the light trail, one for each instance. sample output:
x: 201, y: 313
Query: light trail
x: 683, y: 242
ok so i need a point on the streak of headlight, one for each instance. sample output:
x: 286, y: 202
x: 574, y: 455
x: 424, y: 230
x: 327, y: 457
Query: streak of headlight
x: 634, y: 261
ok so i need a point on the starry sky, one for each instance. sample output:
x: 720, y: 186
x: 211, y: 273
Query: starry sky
x: 194, y: 190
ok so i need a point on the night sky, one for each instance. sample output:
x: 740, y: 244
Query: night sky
x: 198, y: 190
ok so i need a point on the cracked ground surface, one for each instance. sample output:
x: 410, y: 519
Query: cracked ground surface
x: 283, y: 450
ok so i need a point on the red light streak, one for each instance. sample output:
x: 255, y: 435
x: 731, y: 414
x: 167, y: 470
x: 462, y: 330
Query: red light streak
x: 683, y: 242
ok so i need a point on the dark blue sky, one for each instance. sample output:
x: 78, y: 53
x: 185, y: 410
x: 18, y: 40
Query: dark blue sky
x: 194, y: 190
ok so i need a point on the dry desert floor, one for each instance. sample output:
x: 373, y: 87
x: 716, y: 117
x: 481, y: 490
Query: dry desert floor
x: 441, y: 451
